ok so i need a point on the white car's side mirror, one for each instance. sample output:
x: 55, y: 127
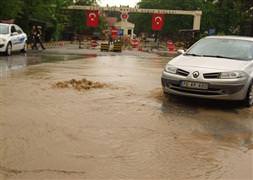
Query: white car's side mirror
x: 181, y: 51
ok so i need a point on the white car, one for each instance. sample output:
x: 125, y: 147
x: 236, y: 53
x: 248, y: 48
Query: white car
x: 12, y: 38
x: 216, y: 67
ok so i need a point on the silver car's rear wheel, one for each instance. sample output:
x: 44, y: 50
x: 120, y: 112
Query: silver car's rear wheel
x: 249, y: 98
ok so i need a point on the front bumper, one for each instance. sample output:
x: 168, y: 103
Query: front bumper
x: 221, y: 89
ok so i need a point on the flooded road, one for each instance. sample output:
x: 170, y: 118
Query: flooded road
x: 126, y: 130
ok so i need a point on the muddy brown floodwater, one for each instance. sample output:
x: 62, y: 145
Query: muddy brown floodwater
x: 130, y: 131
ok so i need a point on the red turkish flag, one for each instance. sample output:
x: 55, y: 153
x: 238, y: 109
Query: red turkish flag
x: 157, y: 22
x: 92, y: 18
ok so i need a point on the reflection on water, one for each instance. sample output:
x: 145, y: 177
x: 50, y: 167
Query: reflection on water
x: 11, y: 63
x: 52, y: 58
x: 227, y: 123
x: 15, y: 62
x: 195, y: 104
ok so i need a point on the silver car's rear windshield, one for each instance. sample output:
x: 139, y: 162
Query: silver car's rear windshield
x: 4, y: 29
x: 223, y: 48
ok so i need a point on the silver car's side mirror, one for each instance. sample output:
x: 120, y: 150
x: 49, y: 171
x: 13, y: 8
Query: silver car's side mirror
x: 181, y: 51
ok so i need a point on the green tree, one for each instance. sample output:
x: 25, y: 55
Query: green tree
x: 226, y: 16
x: 51, y: 14
x: 77, y: 19
x: 10, y: 9
x: 58, y: 16
x: 172, y: 23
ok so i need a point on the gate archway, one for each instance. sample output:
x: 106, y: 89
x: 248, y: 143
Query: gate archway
x: 125, y: 10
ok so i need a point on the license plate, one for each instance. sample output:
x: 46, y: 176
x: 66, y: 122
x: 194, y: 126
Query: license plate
x: 194, y: 85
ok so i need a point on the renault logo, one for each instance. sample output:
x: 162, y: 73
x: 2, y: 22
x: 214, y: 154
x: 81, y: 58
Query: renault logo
x: 195, y: 74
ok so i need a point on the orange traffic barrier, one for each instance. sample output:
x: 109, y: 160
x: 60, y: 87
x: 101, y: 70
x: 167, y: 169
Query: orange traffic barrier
x: 171, y: 46
x: 135, y: 43
x: 94, y: 43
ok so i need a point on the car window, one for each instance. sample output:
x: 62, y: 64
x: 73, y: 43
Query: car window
x: 18, y: 29
x: 227, y: 48
x: 13, y: 29
x: 4, y: 29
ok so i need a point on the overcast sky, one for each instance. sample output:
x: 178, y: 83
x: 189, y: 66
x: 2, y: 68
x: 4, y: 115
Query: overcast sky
x: 131, y: 3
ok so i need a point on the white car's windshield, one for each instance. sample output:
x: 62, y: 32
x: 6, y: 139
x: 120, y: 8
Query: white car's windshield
x: 4, y: 29
x: 223, y: 48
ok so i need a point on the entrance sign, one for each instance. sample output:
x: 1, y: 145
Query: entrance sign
x: 124, y: 16
x: 196, y: 14
x: 157, y: 22
x: 92, y: 18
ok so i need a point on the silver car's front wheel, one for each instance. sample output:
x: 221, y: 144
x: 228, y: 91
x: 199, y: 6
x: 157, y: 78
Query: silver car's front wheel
x: 249, y: 98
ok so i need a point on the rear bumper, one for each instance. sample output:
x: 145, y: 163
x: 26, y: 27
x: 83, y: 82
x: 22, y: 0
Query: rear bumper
x: 220, y: 90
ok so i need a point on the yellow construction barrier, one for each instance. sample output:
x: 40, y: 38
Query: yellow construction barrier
x: 105, y: 47
x: 117, y: 47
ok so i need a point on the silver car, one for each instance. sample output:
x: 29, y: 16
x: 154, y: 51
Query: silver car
x: 216, y: 67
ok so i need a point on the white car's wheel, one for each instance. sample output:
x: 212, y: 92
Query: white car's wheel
x: 249, y: 98
x: 8, y: 51
x: 25, y: 48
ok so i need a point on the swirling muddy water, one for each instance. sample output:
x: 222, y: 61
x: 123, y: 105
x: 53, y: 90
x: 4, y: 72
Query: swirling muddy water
x: 131, y: 131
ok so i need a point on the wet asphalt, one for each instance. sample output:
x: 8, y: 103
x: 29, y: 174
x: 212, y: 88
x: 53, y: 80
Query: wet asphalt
x: 126, y: 130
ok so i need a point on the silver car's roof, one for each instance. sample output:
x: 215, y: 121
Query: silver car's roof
x: 231, y: 37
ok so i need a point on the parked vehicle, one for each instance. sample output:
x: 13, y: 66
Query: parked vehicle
x: 12, y: 38
x: 216, y: 67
